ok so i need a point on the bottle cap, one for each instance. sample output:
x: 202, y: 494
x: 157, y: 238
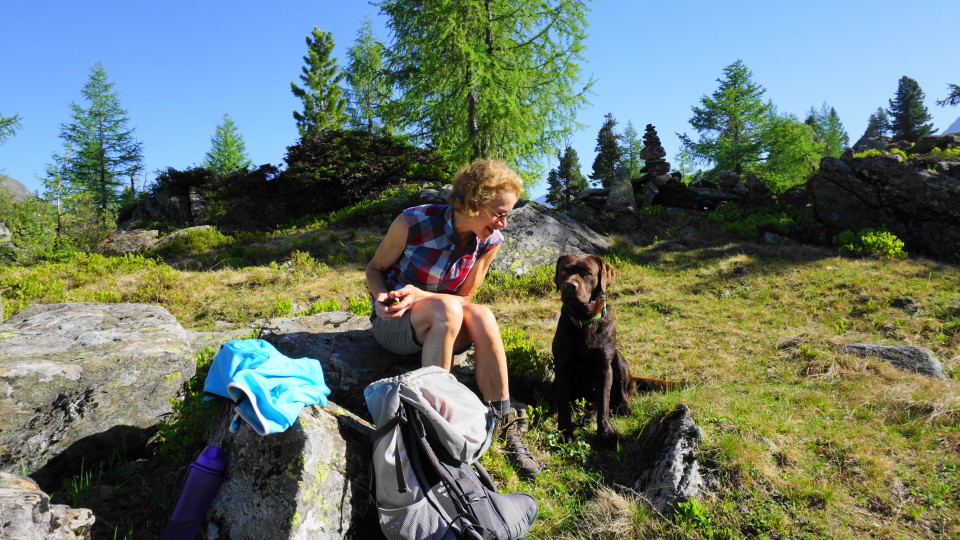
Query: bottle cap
x: 213, y: 458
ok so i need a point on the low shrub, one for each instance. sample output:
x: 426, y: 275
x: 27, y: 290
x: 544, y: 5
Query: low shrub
x: 499, y: 285
x: 874, y: 242
x: 193, y: 242
x: 871, y: 153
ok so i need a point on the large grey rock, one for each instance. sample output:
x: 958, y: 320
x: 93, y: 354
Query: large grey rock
x: 345, y: 347
x: 921, y: 207
x: 132, y: 241
x: 309, y: 481
x: 78, y: 379
x: 943, y: 142
x: 670, y: 474
x: 914, y: 359
x: 26, y: 513
x: 538, y: 235
x: 18, y: 192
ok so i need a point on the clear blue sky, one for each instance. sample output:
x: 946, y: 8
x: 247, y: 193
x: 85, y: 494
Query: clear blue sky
x: 178, y: 66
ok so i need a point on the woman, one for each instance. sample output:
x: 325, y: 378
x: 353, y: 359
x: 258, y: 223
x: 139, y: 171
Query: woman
x: 422, y: 278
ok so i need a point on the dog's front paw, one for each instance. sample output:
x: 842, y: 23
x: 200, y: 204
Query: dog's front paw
x: 606, y: 438
x: 566, y: 437
x: 623, y: 410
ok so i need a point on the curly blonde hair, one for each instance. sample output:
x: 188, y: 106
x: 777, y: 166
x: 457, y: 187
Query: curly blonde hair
x: 478, y: 183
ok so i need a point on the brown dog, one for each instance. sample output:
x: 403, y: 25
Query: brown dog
x: 586, y: 361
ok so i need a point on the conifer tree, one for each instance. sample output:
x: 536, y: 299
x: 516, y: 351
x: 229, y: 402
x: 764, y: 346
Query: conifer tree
x: 731, y: 122
x: 828, y: 130
x: 878, y: 125
x: 953, y: 98
x: 630, y: 148
x: 99, y: 149
x: 8, y: 126
x: 908, y: 113
x: 369, y: 93
x: 608, y: 153
x: 566, y: 181
x: 228, y: 152
x: 488, y: 78
x: 323, y: 99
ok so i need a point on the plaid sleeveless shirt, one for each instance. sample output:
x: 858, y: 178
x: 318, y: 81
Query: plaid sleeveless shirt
x: 428, y: 259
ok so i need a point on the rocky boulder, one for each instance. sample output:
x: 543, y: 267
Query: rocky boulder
x: 26, y: 513
x: 132, y: 241
x: 943, y: 142
x: 77, y: 379
x: 670, y: 473
x: 913, y: 359
x: 537, y: 235
x: 921, y: 207
x: 309, y: 481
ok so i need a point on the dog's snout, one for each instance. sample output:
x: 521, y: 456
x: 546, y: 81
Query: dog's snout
x: 569, y: 286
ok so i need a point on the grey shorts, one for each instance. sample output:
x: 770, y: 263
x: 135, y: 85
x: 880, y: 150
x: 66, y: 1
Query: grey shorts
x: 396, y: 335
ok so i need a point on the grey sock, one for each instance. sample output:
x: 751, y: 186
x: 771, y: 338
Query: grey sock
x: 500, y: 408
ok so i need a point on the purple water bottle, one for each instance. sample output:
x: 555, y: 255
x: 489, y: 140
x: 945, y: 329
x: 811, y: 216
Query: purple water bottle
x: 203, y: 479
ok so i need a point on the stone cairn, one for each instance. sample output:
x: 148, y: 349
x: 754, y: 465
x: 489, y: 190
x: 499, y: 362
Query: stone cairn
x: 655, y: 168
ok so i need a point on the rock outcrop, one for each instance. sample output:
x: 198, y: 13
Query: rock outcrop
x: 919, y: 206
x: 27, y: 514
x: 77, y: 379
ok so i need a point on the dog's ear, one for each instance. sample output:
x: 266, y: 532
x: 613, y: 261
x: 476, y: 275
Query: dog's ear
x: 606, y: 274
x: 556, y: 274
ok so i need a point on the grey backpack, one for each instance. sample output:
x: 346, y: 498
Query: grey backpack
x: 425, y: 477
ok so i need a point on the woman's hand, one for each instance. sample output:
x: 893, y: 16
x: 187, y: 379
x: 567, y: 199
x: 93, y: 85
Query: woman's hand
x: 392, y: 304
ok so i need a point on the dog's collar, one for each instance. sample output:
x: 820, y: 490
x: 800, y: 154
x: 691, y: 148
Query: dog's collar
x: 591, y: 320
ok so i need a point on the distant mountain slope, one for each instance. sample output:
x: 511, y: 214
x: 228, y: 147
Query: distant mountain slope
x: 955, y: 126
x: 18, y: 190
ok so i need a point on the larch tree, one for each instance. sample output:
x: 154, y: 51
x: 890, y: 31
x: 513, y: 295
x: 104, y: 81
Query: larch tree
x: 323, y: 99
x: 566, y: 181
x: 907, y: 112
x: 228, y: 151
x: 100, y: 151
x: 731, y: 122
x: 608, y: 153
x: 878, y: 125
x: 488, y: 78
x: 369, y: 92
x: 829, y: 129
x: 791, y: 151
x: 8, y: 126
x: 630, y: 147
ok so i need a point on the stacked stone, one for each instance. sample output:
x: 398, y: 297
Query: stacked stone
x: 655, y: 168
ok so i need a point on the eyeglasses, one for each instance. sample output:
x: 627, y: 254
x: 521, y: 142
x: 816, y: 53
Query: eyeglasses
x: 500, y: 217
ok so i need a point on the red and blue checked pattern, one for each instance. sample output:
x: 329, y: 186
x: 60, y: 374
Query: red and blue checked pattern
x: 428, y: 260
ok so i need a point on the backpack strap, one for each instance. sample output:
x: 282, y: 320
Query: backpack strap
x: 464, y: 497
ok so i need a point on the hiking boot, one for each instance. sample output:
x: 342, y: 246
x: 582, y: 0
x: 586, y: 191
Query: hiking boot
x: 509, y: 429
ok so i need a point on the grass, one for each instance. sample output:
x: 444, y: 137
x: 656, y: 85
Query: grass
x: 800, y: 439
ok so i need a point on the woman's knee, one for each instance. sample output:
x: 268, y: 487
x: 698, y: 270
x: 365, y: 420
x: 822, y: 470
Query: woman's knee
x: 438, y: 311
x: 480, y: 319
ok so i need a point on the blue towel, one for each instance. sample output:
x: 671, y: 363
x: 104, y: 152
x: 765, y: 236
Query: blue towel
x: 269, y: 388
